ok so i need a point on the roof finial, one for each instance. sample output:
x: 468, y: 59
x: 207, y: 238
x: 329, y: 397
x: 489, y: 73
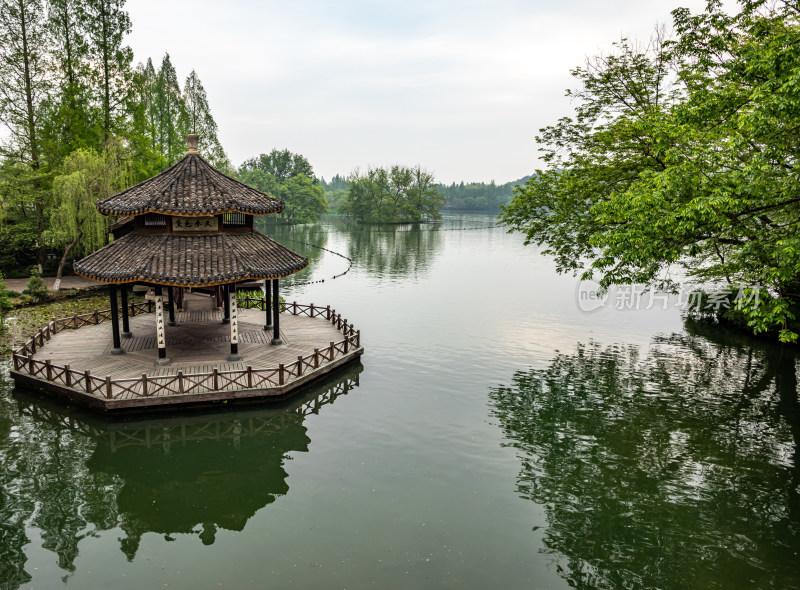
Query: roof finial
x: 192, y: 141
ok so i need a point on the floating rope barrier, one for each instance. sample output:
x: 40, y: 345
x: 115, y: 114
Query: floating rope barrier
x: 349, y: 262
x: 405, y: 231
x: 371, y: 230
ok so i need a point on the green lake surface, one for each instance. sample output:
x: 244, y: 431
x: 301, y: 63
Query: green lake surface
x: 494, y: 436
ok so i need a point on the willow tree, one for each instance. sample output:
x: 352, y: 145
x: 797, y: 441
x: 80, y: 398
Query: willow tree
x: 86, y: 176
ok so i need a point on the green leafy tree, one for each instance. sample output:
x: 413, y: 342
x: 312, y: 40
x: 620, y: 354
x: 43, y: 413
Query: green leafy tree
x: 169, y: 113
x: 262, y: 181
x: 5, y: 302
x: 395, y: 194
x: 108, y: 23
x: 282, y: 164
x: 24, y: 86
x: 20, y: 224
x: 366, y: 193
x: 305, y: 201
x: 71, y: 119
x: 335, y: 191
x: 197, y: 119
x: 36, y: 289
x: 146, y: 158
x: 424, y: 196
x: 701, y: 174
x: 85, y: 177
x: 289, y: 177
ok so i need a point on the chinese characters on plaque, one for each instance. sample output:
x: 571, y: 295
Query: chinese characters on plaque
x: 234, y: 322
x: 195, y: 224
x: 160, y: 322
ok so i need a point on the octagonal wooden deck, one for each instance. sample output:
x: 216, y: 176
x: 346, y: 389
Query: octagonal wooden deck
x: 72, y: 356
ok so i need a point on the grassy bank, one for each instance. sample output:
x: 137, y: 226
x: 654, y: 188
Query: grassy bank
x: 23, y: 321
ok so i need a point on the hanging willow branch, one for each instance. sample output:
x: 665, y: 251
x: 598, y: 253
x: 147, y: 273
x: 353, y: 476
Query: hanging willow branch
x: 86, y: 177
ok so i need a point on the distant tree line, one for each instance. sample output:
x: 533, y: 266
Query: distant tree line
x: 471, y: 196
x: 81, y: 123
x: 335, y: 191
x: 479, y: 196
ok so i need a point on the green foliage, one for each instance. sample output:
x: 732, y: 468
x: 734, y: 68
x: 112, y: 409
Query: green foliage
x: 242, y: 294
x: 197, y: 119
x: 288, y: 177
x: 338, y: 182
x: 68, y: 92
x: 472, y: 196
x: 282, y: 164
x: 698, y: 169
x: 392, y: 195
x: 147, y: 159
x: 110, y: 60
x: 24, y: 83
x: 305, y: 201
x: 36, y: 289
x: 85, y: 177
x: 5, y: 302
x: 169, y: 111
x: 72, y: 119
x: 335, y: 191
x: 479, y: 196
x: 20, y: 232
x: 17, y: 247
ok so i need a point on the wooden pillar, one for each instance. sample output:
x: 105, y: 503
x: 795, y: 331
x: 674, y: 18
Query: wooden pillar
x: 268, y: 306
x: 226, y: 305
x: 161, y: 338
x: 171, y: 304
x: 117, y: 349
x: 234, y: 318
x: 126, y: 329
x: 276, y: 308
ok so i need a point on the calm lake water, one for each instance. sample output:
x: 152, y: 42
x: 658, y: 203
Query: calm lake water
x: 496, y: 436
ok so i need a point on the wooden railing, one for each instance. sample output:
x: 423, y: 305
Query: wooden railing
x: 74, y: 322
x: 181, y: 383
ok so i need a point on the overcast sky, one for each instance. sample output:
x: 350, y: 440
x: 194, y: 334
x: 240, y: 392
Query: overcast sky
x: 460, y: 87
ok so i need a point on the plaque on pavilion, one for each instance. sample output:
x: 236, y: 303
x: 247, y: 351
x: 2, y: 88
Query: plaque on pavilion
x: 195, y: 224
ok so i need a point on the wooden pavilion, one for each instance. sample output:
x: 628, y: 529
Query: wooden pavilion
x: 190, y: 227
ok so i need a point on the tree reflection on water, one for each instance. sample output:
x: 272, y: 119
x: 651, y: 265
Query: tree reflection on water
x: 71, y: 474
x: 676, y: 469
x: 384, y: 250
x: 406, y: 250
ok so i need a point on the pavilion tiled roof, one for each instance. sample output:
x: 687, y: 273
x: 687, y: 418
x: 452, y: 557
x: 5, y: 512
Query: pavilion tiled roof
x: 192, y: 187
x: 190, y: 260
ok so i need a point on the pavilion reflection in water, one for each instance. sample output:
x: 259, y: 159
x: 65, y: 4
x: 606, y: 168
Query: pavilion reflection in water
x: 186, y: 474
